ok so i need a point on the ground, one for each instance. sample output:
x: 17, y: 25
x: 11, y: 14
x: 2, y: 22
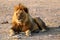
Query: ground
x: 47, y: 10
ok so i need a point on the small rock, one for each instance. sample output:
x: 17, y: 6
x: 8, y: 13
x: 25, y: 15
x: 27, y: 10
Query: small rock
x: 4, y: 22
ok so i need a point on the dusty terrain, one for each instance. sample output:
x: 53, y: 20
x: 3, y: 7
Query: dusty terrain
x: 47, y: 10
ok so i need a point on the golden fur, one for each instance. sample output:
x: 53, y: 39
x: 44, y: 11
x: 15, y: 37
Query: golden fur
x: 22, y: 21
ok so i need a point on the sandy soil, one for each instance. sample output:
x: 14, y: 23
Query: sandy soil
x: 47, y: 10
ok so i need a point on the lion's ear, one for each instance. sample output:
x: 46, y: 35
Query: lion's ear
x: 26, y: 10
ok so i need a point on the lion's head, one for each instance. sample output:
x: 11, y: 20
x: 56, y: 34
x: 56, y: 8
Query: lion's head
x: 20, y: 12
x: 20, y: 7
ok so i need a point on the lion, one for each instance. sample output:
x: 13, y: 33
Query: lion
x: 23, y: 22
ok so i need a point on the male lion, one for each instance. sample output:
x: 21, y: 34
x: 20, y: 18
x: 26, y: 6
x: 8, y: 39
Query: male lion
x: 23, y: 22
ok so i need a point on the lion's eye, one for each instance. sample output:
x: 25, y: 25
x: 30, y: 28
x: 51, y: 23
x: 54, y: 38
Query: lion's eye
x: 20, y: 9
x: 17, y: 14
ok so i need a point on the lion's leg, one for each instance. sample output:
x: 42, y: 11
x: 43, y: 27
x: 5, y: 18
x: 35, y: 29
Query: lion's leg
x: 35, y: 28
x: 40, y: 24
x: 27, y: 30
x: 28, y: 33
x: 11, y: 32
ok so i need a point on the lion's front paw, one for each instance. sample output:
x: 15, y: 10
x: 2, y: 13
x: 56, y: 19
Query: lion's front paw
x: 28, y: 33
x: 11, y: 32
x: 43, y: 30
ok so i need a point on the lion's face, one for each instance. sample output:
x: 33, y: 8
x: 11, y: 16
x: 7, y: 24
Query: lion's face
x: 21, y: 14
x: 20, y: 11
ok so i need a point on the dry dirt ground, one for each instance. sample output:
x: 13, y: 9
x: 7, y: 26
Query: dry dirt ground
x: 47, y: 10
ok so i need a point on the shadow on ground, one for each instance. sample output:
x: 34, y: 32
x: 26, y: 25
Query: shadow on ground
x: 51, y: 31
